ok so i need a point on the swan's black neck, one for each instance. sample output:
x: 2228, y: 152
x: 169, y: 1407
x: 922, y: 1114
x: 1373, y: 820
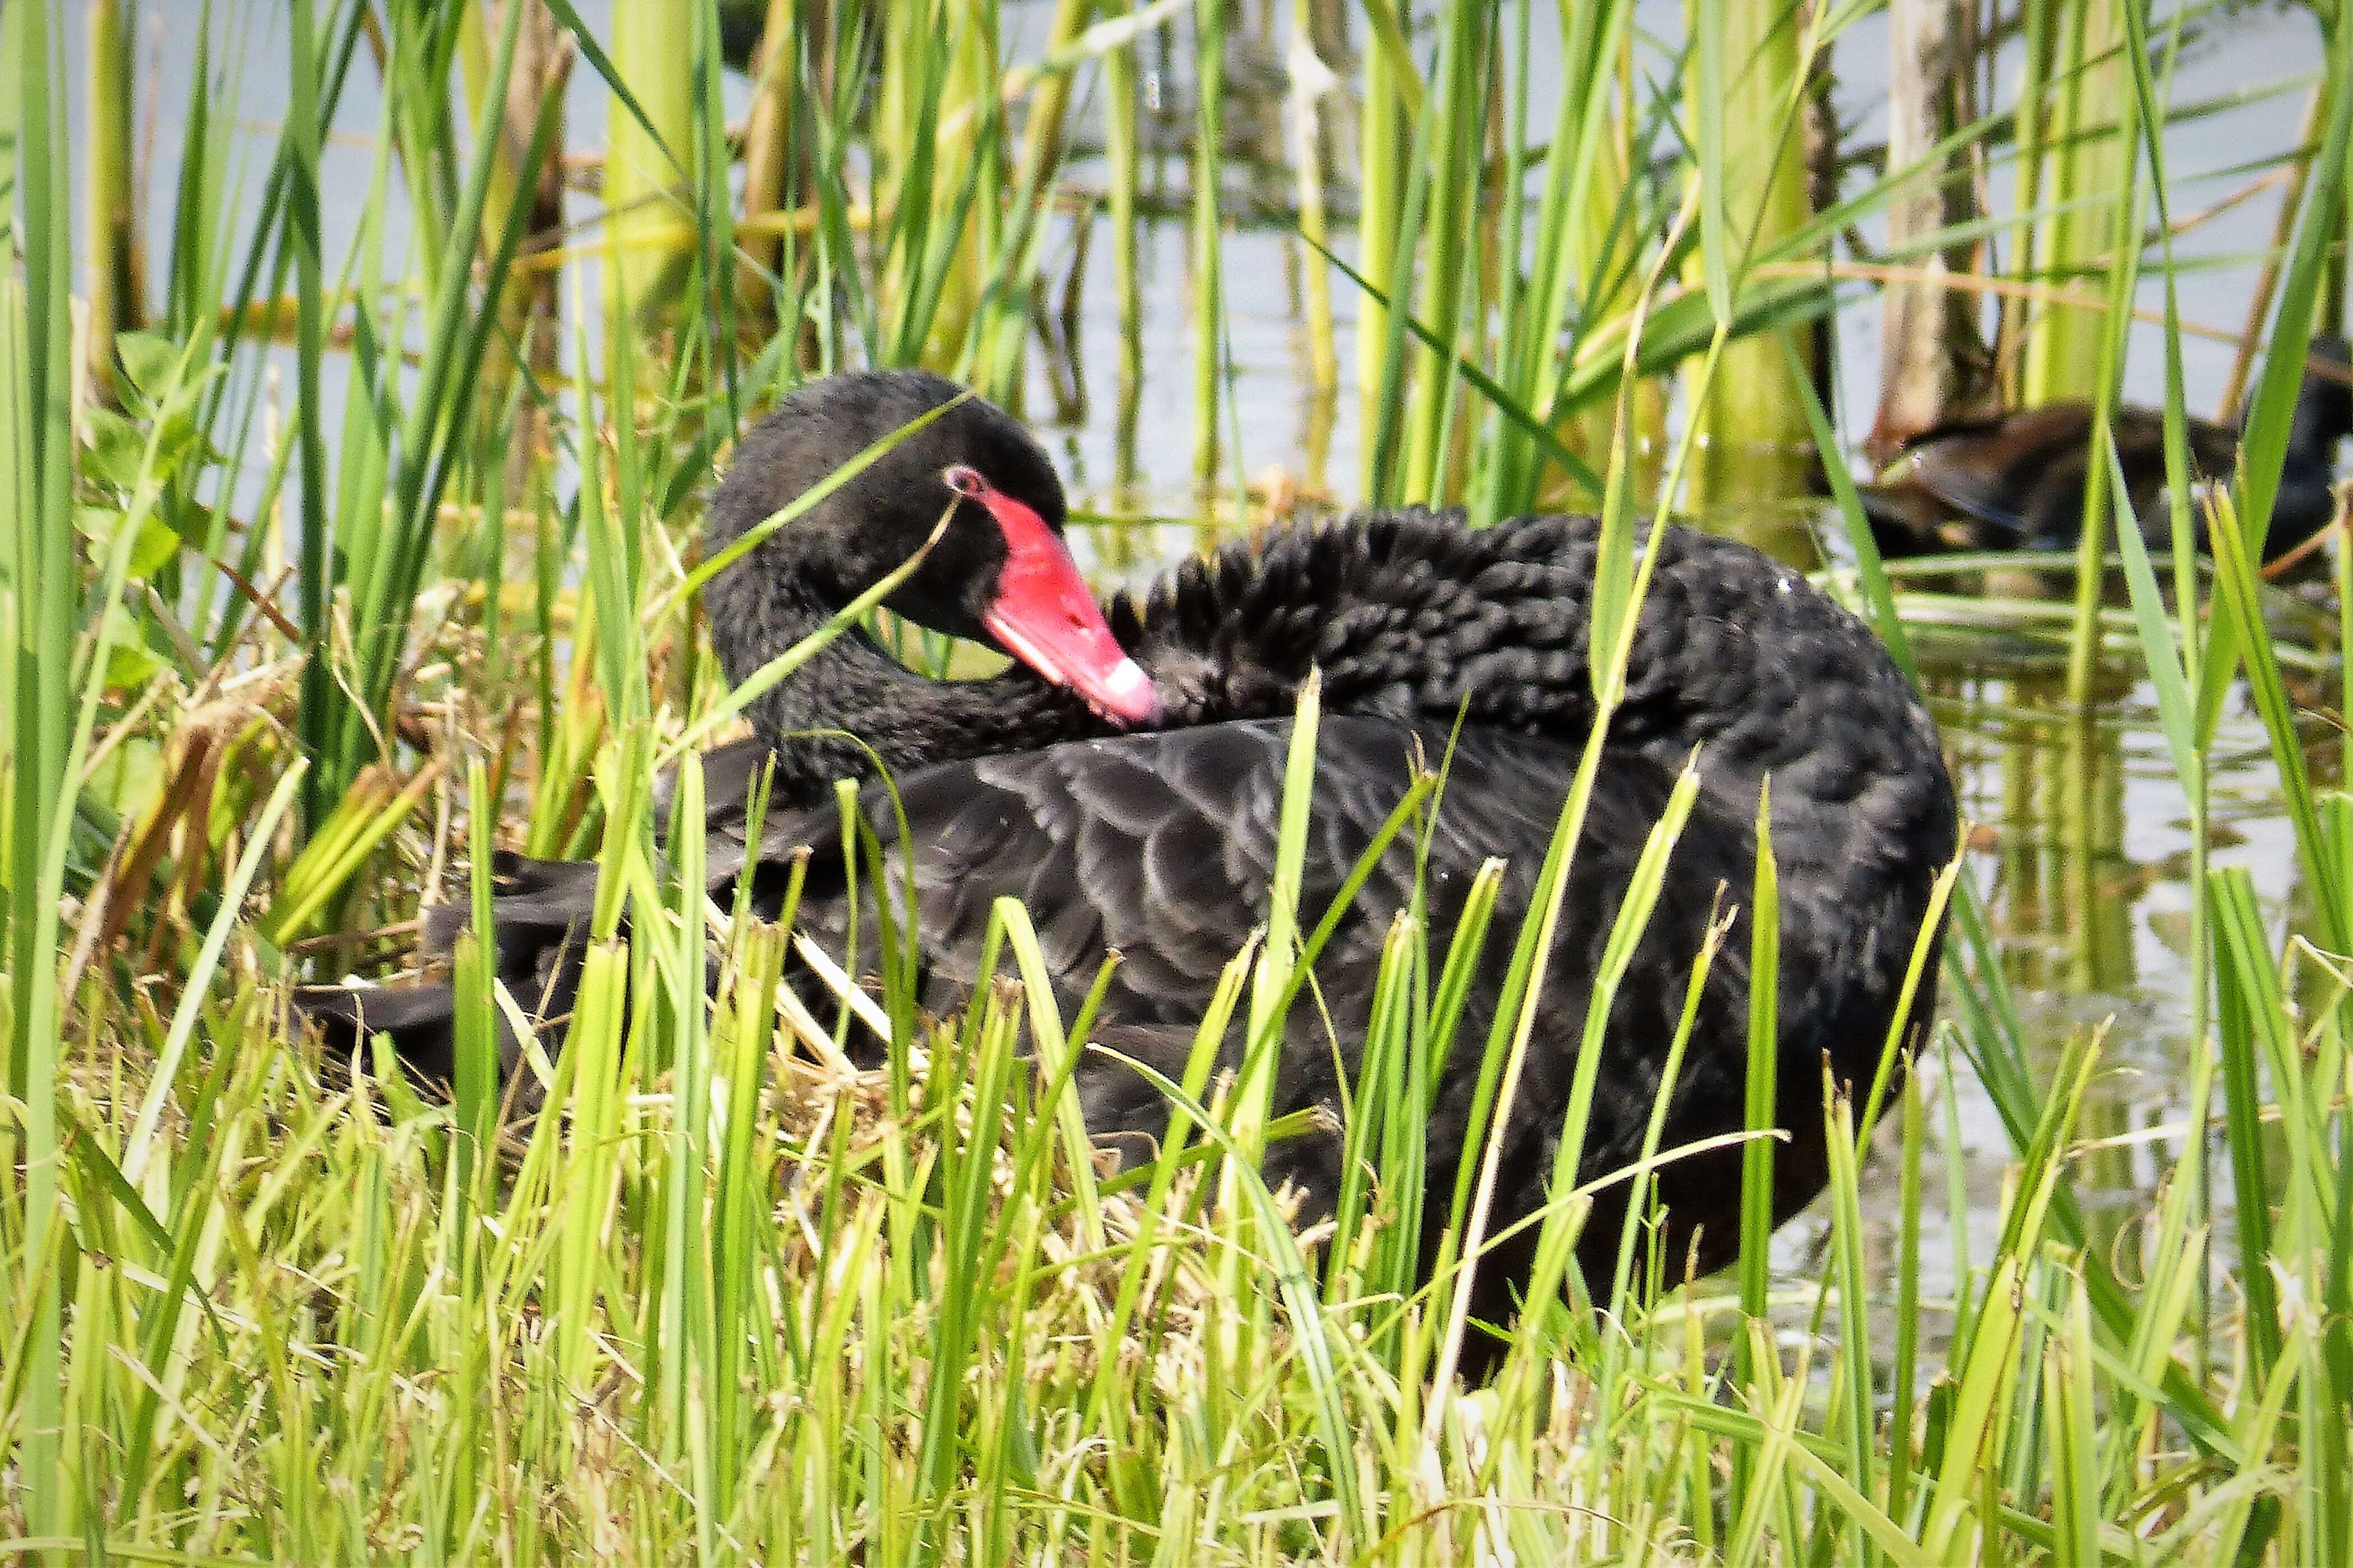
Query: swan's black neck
x: 853, y: 691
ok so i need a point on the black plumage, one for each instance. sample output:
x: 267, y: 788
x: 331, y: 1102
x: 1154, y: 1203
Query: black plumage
x: 2016, y: 482
x: 1159, y: 842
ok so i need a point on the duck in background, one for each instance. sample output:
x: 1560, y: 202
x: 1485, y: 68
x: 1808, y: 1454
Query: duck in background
x: 2017, y: 482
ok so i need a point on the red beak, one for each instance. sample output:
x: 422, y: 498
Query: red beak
x: 1046, y: 616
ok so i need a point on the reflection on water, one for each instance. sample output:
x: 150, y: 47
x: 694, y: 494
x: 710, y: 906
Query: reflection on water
x: 2082, y: 853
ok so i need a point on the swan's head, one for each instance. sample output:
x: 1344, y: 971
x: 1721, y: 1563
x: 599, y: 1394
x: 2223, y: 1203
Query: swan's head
x: 968, y: 491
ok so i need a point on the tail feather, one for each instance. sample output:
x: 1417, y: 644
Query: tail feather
x: 421, y: 1019
x: 541, y: 915
x: 540, y: 925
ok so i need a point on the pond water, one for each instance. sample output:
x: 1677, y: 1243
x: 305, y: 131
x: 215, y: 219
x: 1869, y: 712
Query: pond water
x: 2081, y: 850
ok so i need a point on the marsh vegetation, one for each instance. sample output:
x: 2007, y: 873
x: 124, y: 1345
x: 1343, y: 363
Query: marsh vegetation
x: 363, y: 366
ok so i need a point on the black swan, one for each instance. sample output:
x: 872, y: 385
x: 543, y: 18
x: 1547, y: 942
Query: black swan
x: 2016, y: 482
x: 1122, y: 780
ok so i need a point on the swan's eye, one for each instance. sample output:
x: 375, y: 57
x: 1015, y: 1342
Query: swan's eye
x: 964, y: 480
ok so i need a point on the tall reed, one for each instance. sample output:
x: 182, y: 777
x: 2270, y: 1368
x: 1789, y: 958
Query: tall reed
x: 1754, y: 61
x: 2077, y: 156
x: 114, y: 286
x: 648, y: 130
